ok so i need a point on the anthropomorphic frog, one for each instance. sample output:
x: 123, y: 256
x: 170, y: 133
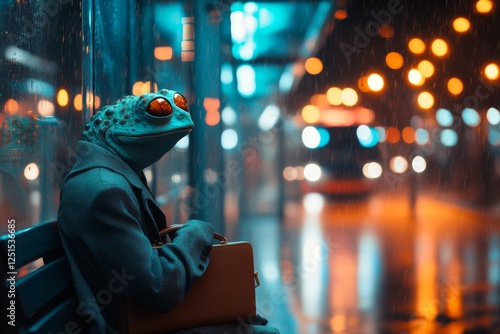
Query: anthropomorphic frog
x: 141, y: 129
x: 109, y: 220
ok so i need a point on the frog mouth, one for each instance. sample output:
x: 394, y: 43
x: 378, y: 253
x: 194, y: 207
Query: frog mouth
x: 126, y: 138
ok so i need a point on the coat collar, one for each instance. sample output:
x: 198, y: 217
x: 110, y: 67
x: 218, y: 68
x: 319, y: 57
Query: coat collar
x: 93, y: 156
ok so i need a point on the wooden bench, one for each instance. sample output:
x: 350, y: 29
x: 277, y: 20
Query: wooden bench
x: 38, y: 291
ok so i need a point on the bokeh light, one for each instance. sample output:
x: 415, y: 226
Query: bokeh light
x: 349, y: 97
x: 386, y: 31
x: 415, y: 77
x: 78, y: 102
x: 394, y: 60
x: 461, y: 24
x: 418, y: 164
x: 426, y: 68
x: 314, y: 65
x: 290, y: 173
x: 183, y: 143
x: 455, y: 86
x: 324, y: 137
x: 484, y: 6
x: 31, y: 171
x: 312, y: 172
x: 422, y: 136
x: 448, y: 137
x: 398, y: 164
x: 311, y: 138
x: 493, y: 116
x: 416, y: 46
x: 439, y: 47
x: 372, y: 170
x: 444, y: 117
x: 334, y: 96
x: 229, y: 139
x: 163, y: 52
x: 408, y: 135
x: 229, y: 116
x: 471, y: 117
x: 45, y: 108
x: 491, y: 71
x: 375, y: 82
x: 363, y: 84
x: 367, y: 137
x: 310, y: 114
x: 425, y: 100
x: 392, y: 135
x: 11, y: 106
x: 212, y: 115
x: 340, y: 14
x: 62, y: 97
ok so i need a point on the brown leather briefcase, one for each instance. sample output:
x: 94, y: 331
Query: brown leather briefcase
x: 225, y: 293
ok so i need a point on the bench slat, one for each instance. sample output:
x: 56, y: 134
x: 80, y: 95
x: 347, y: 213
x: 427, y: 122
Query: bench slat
x: 63, y: 318
x: 33, y: 243
x: 43, y: 285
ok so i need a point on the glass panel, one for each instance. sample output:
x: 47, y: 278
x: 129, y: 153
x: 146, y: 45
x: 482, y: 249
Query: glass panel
x: 41, y: 61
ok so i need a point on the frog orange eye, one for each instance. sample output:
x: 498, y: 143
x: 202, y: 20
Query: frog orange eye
x: 181, y: 101
x: 159, y: 107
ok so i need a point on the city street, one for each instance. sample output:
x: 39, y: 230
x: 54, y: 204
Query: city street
x: 369, y: 267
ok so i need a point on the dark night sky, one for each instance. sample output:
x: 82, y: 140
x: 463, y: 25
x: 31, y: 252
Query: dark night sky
x: 425, y: 19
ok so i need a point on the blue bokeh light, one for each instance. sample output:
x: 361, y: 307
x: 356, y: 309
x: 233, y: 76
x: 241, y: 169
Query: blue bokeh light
x: 368, y: 137
x: 444, y: 117
x: 449, y: 137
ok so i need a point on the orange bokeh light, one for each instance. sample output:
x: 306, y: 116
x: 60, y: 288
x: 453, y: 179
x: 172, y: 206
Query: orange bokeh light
x: 408, y: 135
x: 392, y: 135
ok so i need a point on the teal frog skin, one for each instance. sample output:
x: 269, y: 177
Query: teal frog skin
x: 141, y: 129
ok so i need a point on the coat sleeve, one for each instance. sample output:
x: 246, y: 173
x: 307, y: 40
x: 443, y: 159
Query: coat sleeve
x: 113, y: 244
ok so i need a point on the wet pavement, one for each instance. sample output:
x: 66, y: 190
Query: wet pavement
x: 370, y: 266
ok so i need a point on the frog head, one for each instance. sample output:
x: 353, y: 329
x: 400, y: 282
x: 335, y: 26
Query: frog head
x: 141, y: 129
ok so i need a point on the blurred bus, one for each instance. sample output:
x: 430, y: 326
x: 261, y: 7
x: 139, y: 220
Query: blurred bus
x: 343, y: 156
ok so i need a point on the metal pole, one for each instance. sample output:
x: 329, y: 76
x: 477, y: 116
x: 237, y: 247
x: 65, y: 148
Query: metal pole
x: 206, y: 151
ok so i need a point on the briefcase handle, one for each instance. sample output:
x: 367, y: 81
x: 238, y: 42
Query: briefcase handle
x: 222, y: 239
x: 174, y: 227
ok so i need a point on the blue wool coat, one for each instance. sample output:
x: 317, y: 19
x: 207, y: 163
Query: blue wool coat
x: 108, y: 220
